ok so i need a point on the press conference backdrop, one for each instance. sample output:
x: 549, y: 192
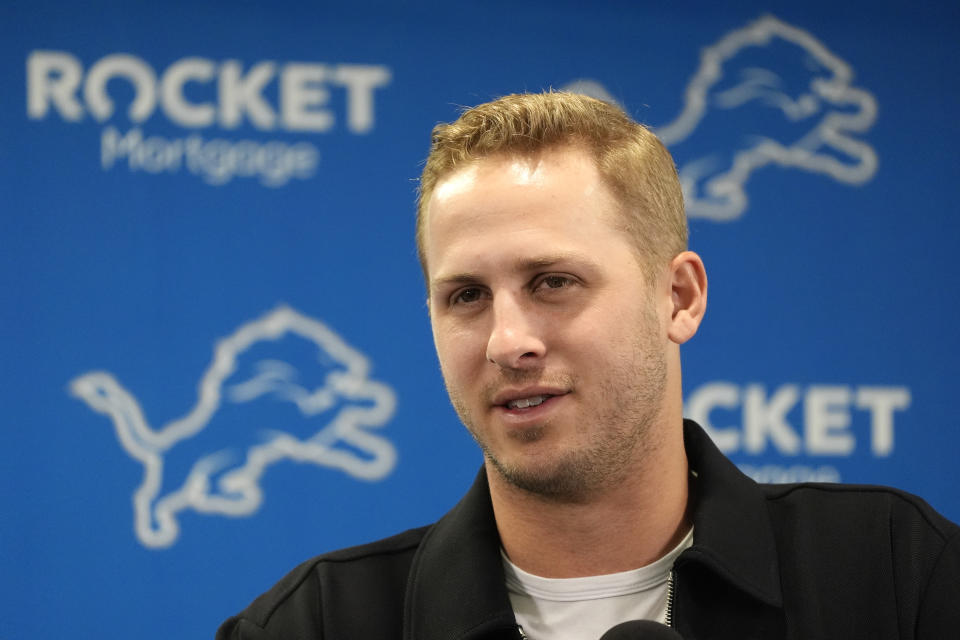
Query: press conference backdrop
x: 216, y: 354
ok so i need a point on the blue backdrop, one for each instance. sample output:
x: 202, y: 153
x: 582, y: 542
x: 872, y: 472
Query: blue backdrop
x: 217, y: 360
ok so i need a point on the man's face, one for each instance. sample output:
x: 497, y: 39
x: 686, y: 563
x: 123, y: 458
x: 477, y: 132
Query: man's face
x: 551, y: 342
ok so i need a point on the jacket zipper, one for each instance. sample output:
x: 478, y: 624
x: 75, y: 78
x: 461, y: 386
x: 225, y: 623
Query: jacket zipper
x: 523, y: 636
x: 671, y: 591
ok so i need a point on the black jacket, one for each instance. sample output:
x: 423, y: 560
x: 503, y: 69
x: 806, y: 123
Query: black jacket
x: 803, y: 561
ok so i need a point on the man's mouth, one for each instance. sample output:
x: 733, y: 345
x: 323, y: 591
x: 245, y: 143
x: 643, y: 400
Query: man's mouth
x: 525, y: 403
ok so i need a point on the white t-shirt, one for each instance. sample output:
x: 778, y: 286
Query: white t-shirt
x: 584, y: 608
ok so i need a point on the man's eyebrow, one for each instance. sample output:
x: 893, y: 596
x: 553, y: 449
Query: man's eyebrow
x: 545, y: 261
x: 455, y: 278
x: 521, y: 265
x: 549, y: 260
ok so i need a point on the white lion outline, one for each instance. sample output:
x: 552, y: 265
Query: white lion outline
x: 155, y: 516
x: 717, y: 191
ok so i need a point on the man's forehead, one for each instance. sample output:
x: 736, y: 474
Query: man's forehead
x: 543, y: 202
x: 567, y: 170
x: 521, y: 169
x: 455, y: 183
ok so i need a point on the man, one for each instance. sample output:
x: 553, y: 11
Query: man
x: 553, y: 242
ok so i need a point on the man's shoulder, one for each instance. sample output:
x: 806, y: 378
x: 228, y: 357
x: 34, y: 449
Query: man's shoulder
x: 348, y: 562
x: 858, y: 546
x: 855, y: 503
x: 400, y: 543
x: 876, y: 531
x: 377, y: 571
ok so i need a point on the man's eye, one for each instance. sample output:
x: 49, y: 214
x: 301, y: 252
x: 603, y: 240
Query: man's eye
x: 466, y: 296
x: 554, y: 282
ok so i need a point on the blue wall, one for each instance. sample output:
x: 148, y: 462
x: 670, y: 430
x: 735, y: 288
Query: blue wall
x: 217, y: 360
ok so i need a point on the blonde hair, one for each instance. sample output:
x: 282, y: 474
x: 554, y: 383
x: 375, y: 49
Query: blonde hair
x: 634, y: 164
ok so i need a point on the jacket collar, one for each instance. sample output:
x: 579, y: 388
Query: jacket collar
x: 457, y: 588
x: 732, y: 531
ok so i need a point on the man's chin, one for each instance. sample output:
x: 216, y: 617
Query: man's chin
x: 560, y: 480
x: 527, y: 434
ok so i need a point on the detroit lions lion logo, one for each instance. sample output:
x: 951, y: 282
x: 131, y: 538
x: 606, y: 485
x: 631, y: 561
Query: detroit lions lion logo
x: 767, y: 94
x: 282, y: 387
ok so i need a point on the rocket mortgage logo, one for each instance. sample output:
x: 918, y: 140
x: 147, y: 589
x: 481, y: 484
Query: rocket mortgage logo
x: 194, y: 94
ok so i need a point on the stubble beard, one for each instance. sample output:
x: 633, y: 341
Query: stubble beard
x: 628, y: 402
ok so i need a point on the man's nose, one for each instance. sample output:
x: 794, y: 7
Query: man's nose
x: 515, y: 341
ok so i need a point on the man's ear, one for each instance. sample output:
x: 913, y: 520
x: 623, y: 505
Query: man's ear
x: 688, y: 282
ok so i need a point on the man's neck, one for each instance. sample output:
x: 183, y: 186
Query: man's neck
x: 617, y: 528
